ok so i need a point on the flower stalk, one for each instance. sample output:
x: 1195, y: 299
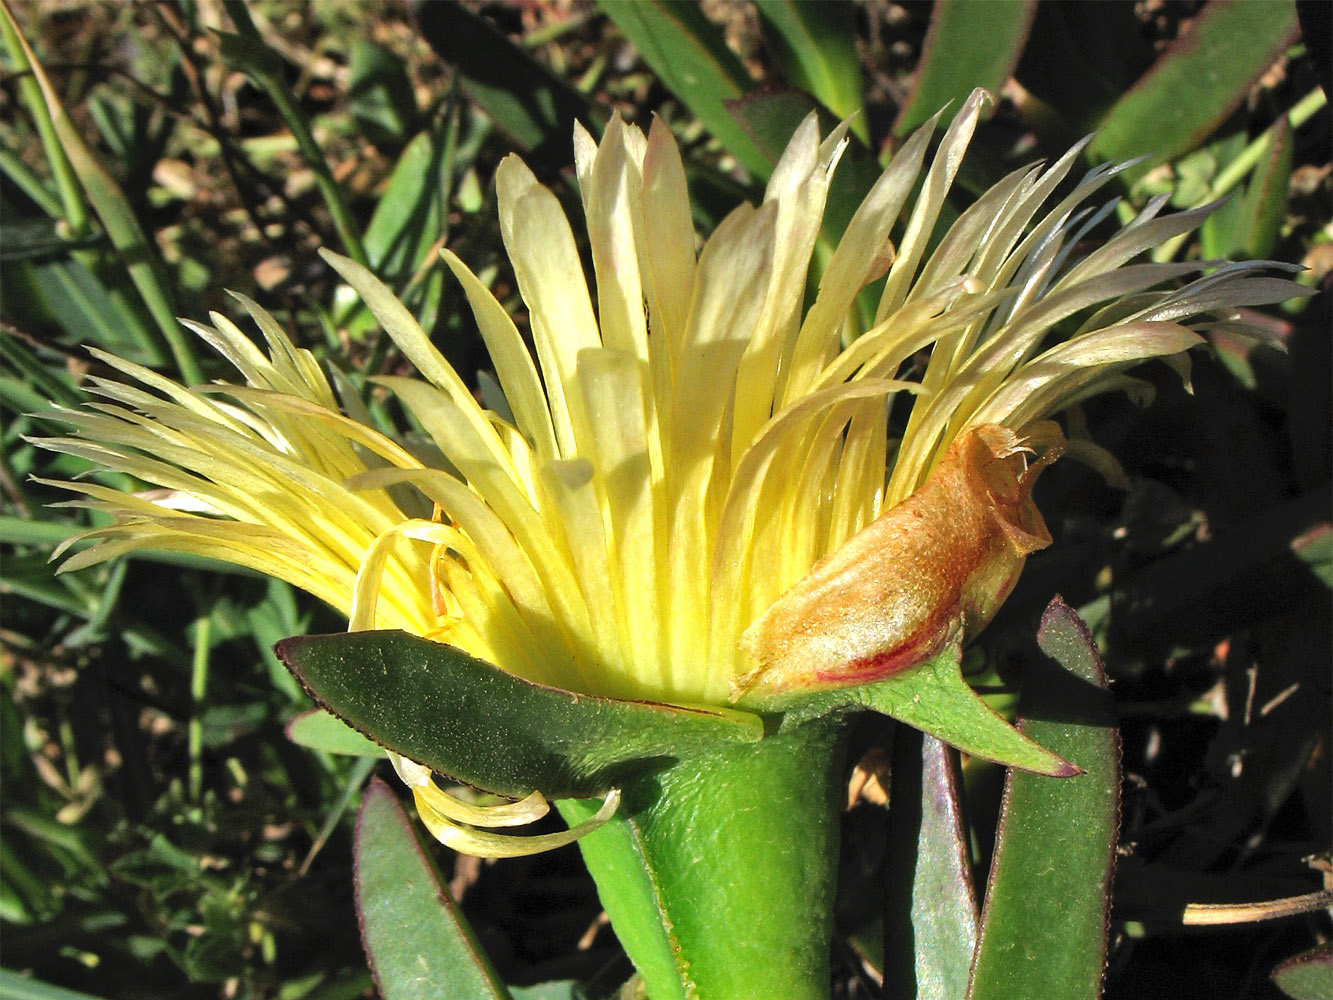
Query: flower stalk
x: 740, y: 849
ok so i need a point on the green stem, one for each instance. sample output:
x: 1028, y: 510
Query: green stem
x: 719, y: 872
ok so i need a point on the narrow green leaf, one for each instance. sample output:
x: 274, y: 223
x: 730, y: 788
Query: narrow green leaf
x: 71, y: 206
x: 533, y: 107
x: 408, y: 214
x: 1307, y: 976
x: 770, y: 117
x: 1264, y: 207
x: 815, y: 44
x: 971, y: 43
x: 318, y: 730
x: 1215, y: 62
x: 23, y: 361
x: 1043, y: 931
x: 27, y: 181
x: 930, y: 916
x: 436, y: 705
x: 379, y: 93
x: 687, y: 52
x: 419, y: 945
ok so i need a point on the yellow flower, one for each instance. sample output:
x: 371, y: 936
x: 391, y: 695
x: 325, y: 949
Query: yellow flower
x: 686, y: 446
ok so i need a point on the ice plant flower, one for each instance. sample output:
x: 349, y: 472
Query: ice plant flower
x: 691, y: 509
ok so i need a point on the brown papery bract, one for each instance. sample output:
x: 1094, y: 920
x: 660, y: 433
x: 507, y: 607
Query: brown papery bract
x: 934, y: 568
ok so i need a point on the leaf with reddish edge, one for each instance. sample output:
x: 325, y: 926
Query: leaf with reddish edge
x: 1307, y: 976
x: 1216, y: 61
x: 419, y: 945
x: 934, y: 698
x: 930, y: 918
x: 1044, y: 925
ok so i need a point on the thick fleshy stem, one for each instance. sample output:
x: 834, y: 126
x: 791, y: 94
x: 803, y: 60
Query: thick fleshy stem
x: 719, y: 872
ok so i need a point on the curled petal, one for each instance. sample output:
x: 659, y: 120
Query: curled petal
x: 484, y: 843
x: 935, y: 565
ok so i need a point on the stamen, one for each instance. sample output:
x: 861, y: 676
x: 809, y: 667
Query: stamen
x: 365, y: 597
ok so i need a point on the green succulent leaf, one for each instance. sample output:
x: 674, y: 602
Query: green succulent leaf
x: 1043, y: 931
x: 419, y: 944
x: 930, y: 914
x: 434, y: 704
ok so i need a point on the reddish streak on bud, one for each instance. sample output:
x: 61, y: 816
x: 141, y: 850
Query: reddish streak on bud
x: 936, y: 566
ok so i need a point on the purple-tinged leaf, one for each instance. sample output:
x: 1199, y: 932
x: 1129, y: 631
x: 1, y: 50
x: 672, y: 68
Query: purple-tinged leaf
x: 1307, y: 976
x: 1044, y: 925
x: 931, y: 921
x: 419, y: 945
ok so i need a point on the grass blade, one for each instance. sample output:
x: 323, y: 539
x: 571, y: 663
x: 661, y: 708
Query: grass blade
x: 815, y: 44
x: 535, y: 108
x: 114, y: 210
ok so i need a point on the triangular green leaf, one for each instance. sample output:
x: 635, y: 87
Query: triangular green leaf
x: 934, y: 698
